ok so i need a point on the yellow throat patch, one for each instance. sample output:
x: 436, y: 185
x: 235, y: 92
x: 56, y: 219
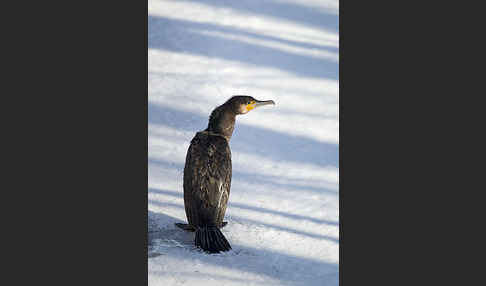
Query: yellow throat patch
x: 250, y: 106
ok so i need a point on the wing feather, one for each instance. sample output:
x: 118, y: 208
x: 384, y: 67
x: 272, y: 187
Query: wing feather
x: 207, y: 180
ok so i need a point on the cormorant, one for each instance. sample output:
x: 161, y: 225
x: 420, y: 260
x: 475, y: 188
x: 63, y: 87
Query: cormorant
x: 207, y: 174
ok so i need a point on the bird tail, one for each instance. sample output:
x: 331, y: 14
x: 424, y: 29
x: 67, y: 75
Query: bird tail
x: 211, y: 239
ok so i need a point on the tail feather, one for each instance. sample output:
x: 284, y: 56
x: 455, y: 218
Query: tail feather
x: 211, y: 239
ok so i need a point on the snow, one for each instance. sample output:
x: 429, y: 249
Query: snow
x: 283, y: 211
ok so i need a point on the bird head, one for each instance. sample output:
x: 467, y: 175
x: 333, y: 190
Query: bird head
x: 242, y: 104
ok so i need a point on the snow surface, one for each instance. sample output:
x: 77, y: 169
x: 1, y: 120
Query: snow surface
x: 283, y: 211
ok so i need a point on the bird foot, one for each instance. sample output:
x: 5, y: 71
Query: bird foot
x: 188, y: 227
x: 185, y: 226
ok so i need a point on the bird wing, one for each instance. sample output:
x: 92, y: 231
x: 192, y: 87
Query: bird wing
x: 207, y: 179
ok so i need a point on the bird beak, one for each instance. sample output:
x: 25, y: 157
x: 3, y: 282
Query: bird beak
x: 259, y: 103
x: 255, y: 104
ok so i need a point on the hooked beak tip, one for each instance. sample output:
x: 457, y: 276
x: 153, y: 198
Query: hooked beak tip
x: 265, y: 102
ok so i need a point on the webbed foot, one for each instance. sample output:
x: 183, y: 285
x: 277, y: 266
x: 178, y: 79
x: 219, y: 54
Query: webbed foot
x: 185, y: 226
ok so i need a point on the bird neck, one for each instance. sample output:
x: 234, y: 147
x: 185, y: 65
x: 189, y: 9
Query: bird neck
x: 222, y: 121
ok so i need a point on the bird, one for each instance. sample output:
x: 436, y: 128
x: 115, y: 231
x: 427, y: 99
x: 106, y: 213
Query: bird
x: 208, y: 172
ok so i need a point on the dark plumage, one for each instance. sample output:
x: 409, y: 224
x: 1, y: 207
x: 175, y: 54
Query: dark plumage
x: 207, y: 174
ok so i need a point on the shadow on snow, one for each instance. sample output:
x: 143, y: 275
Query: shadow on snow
x: 192, y: 40
x: 252, y: 208
x: 248, y: 139
x: 178, y: 244
x: 310, y: 16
